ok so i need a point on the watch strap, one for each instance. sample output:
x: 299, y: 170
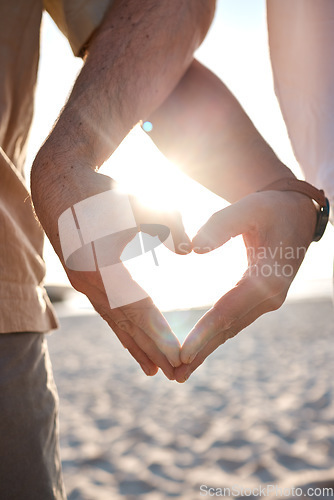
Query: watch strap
x: 318, y: 195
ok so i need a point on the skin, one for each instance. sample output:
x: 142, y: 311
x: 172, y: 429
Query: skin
x: 101, y: 110
x: 213, y: 141
x: 203, y: 129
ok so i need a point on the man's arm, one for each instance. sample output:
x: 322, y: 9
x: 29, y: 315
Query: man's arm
x: 136, y: 58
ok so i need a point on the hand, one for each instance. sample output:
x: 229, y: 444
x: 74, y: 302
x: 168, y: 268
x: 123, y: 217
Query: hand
x: 139, y: 325
x: 277, y: 228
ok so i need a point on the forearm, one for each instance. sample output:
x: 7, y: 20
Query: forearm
x: 135, y: 60
x: 203, y: 129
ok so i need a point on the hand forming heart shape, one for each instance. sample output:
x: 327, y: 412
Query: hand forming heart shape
x: 94, y: 232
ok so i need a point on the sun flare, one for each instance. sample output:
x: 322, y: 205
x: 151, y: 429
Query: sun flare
x: 172, y: 280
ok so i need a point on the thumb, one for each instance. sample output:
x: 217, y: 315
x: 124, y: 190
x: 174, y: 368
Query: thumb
x: 178, y: 241
x: 233, y: 220
x: 165, y: 224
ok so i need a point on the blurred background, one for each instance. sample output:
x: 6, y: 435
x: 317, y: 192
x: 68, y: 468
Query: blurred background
x: 236, y: 49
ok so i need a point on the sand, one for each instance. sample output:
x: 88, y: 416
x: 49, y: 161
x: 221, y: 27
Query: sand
x: 259, y: 411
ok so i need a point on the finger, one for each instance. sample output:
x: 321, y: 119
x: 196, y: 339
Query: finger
x: 170, y: 230
x: 183, y: 372
x: 94, y: 290
x: 234, y: 305
x: 233, y: 220
x: 140, y: 346
x: 151, y: 350
x: 127, y: 300
x: 100, y: 305
x: 181, y: 241
x: 152, y: 222
x: 110, y: 291
x: 136, y: 352
x: 147, y: 317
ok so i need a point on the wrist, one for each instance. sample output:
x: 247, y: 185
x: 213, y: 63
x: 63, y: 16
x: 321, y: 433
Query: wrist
x: 272, y: 170
x: 260, y: 172
x: 310, y: 194
x: 83, y: 138
x: 58, y: 180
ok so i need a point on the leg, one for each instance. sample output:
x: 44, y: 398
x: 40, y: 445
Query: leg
x: 30, y: 465
x: 301, y: 38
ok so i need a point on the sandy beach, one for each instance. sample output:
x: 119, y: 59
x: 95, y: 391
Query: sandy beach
x: 259, y: 411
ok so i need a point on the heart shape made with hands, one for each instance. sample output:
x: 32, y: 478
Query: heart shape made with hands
x: 96, y: 231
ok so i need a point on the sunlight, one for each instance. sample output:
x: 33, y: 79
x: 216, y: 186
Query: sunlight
x: 141, y: 170
x: 236, y: 50
x: 174, y: 281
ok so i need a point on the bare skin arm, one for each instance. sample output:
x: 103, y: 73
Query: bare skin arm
x: 135, y: 60
x: 203, y: 129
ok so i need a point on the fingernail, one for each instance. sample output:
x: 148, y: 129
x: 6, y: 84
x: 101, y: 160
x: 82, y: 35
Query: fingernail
x: 185, y: 248
x: 175, y: 364
x: 146, y: 370
x: 191, y: 358
x: 186, y: 376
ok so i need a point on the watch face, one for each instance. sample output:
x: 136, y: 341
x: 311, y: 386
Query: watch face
x: 322, y: 220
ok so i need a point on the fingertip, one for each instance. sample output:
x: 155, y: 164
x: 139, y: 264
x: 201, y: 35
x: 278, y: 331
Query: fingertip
x: 182, y: 378
x: 150, y: 371
x: 187, y: 357
x: 180, y: 381
x: 175, y: 363
x: 200, y: 246
x: 184, y: 248
x: 170, y: 376
x: 170, y: 346
x: 201, y: 250
x: 173, y: 356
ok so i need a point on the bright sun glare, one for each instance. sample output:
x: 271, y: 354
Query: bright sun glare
x: 177, y: 281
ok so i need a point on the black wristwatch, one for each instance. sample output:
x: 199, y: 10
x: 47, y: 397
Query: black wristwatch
x: 322, y: 219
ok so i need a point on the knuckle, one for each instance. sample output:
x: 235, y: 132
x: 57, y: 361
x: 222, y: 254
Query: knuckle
x: 126, y: 326
x: 134, y: 316
x: 104, y: 315
x: 276, y: 302
x: 274, y: 286
x: 221, y: 321
x: 224, y: 336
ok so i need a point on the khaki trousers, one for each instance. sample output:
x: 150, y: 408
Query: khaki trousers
x: 30, y: 466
